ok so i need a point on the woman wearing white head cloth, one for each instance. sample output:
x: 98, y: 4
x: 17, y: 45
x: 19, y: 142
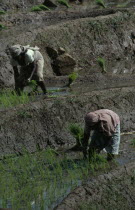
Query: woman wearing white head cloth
x: 106, y: 126
x: 31, y: 62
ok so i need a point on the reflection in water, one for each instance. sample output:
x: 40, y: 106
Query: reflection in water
x: 60, y: 192
x: 37, y: 183
x: 42, y: 181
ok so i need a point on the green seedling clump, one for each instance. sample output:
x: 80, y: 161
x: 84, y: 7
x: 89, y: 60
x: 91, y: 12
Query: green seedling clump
x: 72, y: 77
x: 9, y: 98
x: 32, y: 84
x: 23, y: 114
x: 64, y: 2
x: 100, y: 3
x: 2, y: 27
x: 2, y: 12
x: 43, y: 7
x: 39, y: 8
x: 101, y: 62
x: 26, y: 179
x: 133, y: 142
x: 36, y: 9
x: 77, y: 132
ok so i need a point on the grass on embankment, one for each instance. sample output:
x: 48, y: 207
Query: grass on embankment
x: 133, y: 142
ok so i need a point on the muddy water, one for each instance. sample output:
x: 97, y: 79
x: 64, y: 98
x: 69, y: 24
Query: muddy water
x: 127, y: 155
x: 51, y: 91
x: 120, y: 3
x: 61, y: 193
x: 127, y: 150
x: 58, y: 91
x: 54, y: 193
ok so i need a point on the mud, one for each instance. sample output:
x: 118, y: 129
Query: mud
x: 112, y: 190
x: 45, y: 123
x: 106, y: 30
x: 86, y: 34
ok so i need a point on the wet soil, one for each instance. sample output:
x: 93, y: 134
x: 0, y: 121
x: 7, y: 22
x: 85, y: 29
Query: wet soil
x: 114, y: 189
x: 86, y: 35
x: 107, y: 190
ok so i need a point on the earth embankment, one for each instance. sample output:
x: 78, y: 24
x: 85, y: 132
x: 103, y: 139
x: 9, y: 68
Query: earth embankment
x: 115, y: 190
x: 46, y: 123
x: 86, y: 39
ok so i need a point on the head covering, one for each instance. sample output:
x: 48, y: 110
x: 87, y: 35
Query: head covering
x: 91, y: 118
x: 15, y: 50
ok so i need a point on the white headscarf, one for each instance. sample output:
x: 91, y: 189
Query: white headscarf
x: 16, y: 50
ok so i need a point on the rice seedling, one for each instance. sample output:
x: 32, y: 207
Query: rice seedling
x: 2, y: 27
x: 101, y: 62
x: 64, y: 2
x: 101, y: 3
x: 36, y: 9
x: 9, y: 98
x: 32, y: 84
x: 98, y: 162
x: 24, y: 114
x: 39, y: 8
x: 133, y: 142
x: 39, y: 180
x: 72, y: 77
x: 43, y: 7
x: 2, y: 12
x: 77, y: 132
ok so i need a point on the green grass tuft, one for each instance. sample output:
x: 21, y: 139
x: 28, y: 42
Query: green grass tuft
x: 9, y: 98
x: 2, y: 27
x: 39, y: 8
x: 133, y: 142
x: 101, y: 62
x: 64, y: 2
x: 24, y: 114
x: 72, y: 77
x: 32, y: 84
x: 36, y: 9
x: 101, y: 3
x: 77, y: 132
x: 2, y: 12
x: 43, y: 7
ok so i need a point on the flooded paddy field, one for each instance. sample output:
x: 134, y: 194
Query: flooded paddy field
x: 43, y: 179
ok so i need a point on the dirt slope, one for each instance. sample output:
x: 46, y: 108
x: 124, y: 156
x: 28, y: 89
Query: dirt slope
x: 45, y: 123
x: 85, y: 38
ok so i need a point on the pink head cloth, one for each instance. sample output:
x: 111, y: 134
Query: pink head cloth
x: 92, y: 118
